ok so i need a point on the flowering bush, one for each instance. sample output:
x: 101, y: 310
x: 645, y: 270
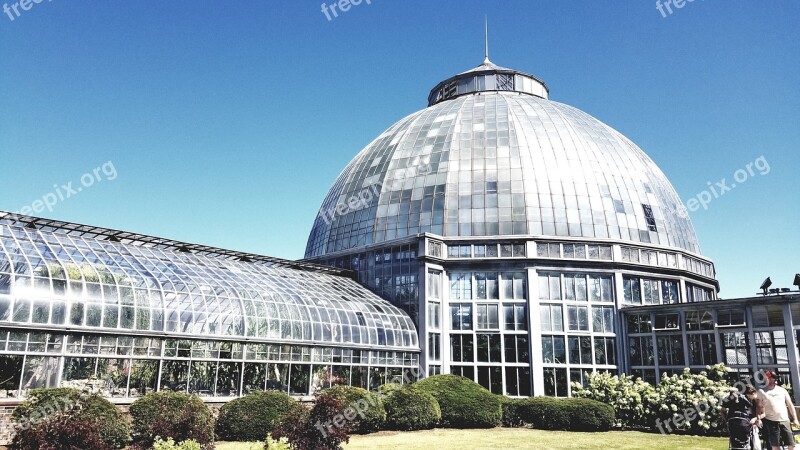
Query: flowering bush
x: 628, y: 396
x: 686, y: 403
x: 693, y: 399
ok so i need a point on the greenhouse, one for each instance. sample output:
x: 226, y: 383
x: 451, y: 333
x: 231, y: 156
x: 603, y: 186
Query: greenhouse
x: 127, y: 314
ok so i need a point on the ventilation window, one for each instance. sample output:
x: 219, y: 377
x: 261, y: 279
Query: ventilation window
x: 505, y: 82
x: 361, y: 320
x: 648, y: 216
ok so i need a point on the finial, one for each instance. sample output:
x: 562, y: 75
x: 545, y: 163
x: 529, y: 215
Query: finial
x: 486, y: 34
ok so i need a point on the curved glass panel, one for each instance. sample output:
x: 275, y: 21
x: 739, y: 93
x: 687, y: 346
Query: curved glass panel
x: 65, y: 280
x: 500, y: 163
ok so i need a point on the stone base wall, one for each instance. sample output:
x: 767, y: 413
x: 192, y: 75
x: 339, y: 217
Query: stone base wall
x: 6, y: 425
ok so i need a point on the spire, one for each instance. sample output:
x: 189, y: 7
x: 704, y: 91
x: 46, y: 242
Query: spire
x: 486, y: 34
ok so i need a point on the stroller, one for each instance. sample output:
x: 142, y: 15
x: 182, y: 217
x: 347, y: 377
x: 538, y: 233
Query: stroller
x: 741, y: 432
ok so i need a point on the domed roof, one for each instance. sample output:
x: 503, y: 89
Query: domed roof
x: 492, y: 156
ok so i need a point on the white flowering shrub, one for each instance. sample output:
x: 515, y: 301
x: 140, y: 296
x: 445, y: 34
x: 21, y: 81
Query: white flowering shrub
x: 690, y: 403
x: 628, y: 397
x: 686, y: 403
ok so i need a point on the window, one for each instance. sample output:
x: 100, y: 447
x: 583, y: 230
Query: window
x: 435, y: 249
x: 641, y: 351
x: 604, y: 353
x: 461, y: 316
x: 516, y: 317
x: 491, y: 378
x: 551, y: 318
x: 486, y: 286
x: 702, y: 349
x: 575, y: 287
x: 488, y: 347
x: 649, y: 218
x: 670, y: 350
x: 516, y: 349
x: 488, y: 318
x: 578, y: 318
x: 434, y: 346
x: 669, y: 291
x: 639, y: 323
x: 434, y: 282
x: 667, y: 322
x: 464, y: 371
x: 699, y: 320
x: 512, y: 285
x: 460, y: 286
x: 735, y: 347
x: 434, y: 320
x: 549, y: 287
x: 461, y: 348
x: 650, y: 291
x: 518, y: 381
x: 603, y: 319
x: 518, y: 250
x: 768, y: 316
x: 580, y: 349
x: 553, y: 350
x: 771, y: 348
x: 633, y: 295
x: 731, y: 318
x: 555, y: 382
x: 600, y: 289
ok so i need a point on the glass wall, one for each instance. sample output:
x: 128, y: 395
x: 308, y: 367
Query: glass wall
x: 130, y: 367
x: 488, y: 338
x: 577, y: 317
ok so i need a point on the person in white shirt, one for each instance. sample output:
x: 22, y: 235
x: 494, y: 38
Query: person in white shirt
x: 778, y: 412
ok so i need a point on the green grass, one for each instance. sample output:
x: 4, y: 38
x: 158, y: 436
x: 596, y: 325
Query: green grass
x: 442, y: 439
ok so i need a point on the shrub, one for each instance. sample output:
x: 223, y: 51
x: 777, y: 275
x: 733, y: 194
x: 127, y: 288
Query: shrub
x: 628, y: 396
x: 696, y: 398
x: 569, y: 414
x: 315, y: 429
x: 170, y: 444
x: 463, y: 403
x: 254, y: 416
x: 510, y: 414
x: 411, y: 409
x: 700, y: 394
x: 61, y: 431
x: 172, y: 415
x: 86, y: 407
x: 276, y: 444
x: 385, y: 389
x: 371, y: 413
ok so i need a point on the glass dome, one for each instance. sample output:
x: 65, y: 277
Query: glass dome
x: 486, y: 161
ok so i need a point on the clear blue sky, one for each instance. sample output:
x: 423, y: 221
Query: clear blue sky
x: 226, y: 122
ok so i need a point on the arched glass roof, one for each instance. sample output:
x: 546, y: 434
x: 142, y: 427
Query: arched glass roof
x: 59, y: 275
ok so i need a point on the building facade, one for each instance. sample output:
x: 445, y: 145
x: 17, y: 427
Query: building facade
x: 514, y: 230
x: 127, y: 314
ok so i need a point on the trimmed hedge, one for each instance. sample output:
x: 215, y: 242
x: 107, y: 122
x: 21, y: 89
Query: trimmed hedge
x: 60, y: 431
x: 372, y: 415
x: 174, y: 415
x: 463, y: 403
x: 43, y: 404
x: 254, y: 416
x: 566, y: 414
x: 410, y: 409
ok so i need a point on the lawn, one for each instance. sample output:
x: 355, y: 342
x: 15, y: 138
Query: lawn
x: 442, y: 439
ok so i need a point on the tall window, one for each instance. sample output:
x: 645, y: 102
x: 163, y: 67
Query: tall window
x: 461, y: 317
x: 551, y: 318
x: 434, y: 282
x: 578, y: 318
x: 488, y: 318
x: 461, y: 286
x: 516, y: 317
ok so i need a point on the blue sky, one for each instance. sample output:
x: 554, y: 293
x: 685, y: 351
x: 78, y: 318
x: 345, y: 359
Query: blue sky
x: 226, y: 122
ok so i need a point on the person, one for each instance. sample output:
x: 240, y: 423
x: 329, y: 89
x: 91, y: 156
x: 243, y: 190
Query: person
x: 778, y: 412
x: 736, y: 405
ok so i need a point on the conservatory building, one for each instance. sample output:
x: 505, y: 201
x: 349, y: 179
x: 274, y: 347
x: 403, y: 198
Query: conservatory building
x: 127, y: 314
x: 514, y: 230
